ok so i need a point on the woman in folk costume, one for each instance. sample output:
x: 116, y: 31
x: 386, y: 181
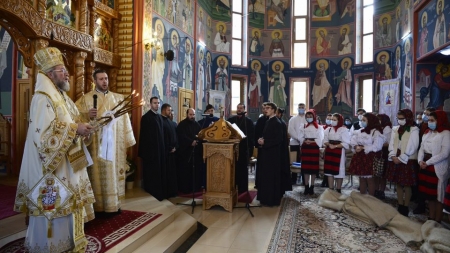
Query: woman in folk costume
x: 380, y: 172
x: 311, y: 138
x: 366, y: 143
x: 402, y: 165
x: 433, y: 158
x: 54, y: 189
x: 336, y: 141
x: 326, y: 129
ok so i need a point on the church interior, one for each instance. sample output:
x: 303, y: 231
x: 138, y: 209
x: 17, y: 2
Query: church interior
x: 333, y: 55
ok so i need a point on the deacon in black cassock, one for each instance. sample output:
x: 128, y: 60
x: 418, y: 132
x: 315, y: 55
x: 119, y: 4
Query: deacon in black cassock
x: 171, y: 146
x: 285, y: 161
x: 187, y: 131
x: 271, y: 182
x: 259, y: 127
x: 245, y: 147
x: 207, y: 120
x: 151, y: 150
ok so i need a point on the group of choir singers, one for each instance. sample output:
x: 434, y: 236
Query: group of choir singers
x: 413, y: 154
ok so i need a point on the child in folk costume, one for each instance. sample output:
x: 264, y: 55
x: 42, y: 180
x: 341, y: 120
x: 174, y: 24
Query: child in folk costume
x: 402, y: 165
x: 433, y: 161
x: 336, y: 141
x: 380, y: 172
x: 366, y: 143
x: 311, y: 138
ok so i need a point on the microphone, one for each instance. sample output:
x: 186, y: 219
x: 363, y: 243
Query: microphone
x: 95, y: 101
x: 206, y: 114
x: 242, y: 113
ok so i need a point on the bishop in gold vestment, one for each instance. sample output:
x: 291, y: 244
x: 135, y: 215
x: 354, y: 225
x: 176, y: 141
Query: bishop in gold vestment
x: 54, y: 188
x: 109, y: 146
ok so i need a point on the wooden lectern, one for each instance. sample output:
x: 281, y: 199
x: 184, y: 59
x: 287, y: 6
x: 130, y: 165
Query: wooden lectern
x: 220, y: 152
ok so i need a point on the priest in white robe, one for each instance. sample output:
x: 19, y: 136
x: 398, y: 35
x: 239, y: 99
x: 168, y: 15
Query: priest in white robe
x: 54, y: 189
x: 109, y: 145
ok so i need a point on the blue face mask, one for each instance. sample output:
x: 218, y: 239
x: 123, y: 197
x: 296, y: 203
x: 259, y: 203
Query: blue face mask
x: 425, y: 118
x: 432, y: 125
x: 363, y: 124
x: 309, y: 120
x: 348, y: 122
x: 328, y: 121
x: 301, y: 111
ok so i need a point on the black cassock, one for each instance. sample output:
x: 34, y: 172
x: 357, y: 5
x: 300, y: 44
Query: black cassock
x: 245, y: 151
x: 170, y: 142
x: 187, y: 131
x: 286, y: 164
x: 259, y: 128
x: 271, y: 177
x: 151, y: 150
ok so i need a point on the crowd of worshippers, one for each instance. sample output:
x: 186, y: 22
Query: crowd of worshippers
x: 413, y: 155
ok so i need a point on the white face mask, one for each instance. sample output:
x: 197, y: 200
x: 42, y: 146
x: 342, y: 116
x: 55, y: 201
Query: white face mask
x: 334, y: 123
x: 401, y: 122
x: 328, y: 121
x: 360, y: 117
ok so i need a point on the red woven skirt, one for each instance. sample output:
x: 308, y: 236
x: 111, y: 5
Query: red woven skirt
x: 447, y: 199
x: 332, y: 161
x: 362, y: 163
x: 402, y: 174
x: 310, y: 158
x: 428, y: 181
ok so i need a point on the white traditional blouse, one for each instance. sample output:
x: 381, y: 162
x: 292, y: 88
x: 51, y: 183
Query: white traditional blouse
x: 311, y: 132
x: 372, y: 142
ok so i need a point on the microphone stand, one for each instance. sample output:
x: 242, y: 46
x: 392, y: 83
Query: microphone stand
x: 247, y: 204
x: 193, y: 203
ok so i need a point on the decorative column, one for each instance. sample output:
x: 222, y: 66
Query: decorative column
x: 80, y: 57
x: 93, y: 19
x: 89, y: 78
x: 83, y: 17
x: 113, y: 79
x: 115, y: 29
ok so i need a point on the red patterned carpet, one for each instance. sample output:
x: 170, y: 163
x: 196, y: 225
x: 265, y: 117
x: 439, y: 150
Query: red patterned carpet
x: 7, y: 196
x: 103, y: 233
